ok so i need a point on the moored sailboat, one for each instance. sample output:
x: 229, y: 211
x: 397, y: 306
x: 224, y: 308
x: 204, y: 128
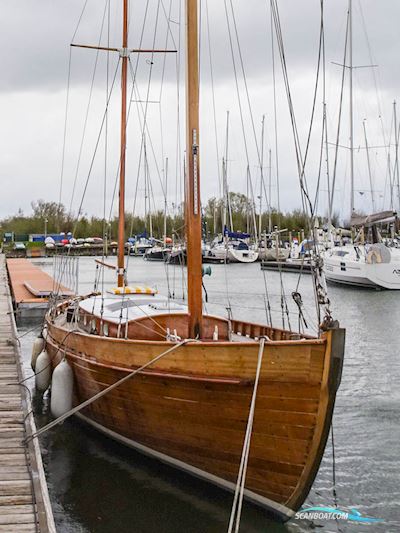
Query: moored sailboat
x: 157, y: 253
x: 191, y: 388
x: 233, y: 248
x: 364, y: 262
x: 370, y: 264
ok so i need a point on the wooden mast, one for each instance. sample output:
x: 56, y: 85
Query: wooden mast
x: 124, y: 53
x: 192, y: 175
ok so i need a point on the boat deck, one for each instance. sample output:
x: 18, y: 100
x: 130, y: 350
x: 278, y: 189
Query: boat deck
x: 24, y: 500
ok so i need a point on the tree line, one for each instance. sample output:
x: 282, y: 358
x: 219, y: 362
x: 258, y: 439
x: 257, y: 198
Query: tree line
x: 51, y: 217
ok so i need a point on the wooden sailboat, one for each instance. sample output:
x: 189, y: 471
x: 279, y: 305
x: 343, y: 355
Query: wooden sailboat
x: 190, y: 407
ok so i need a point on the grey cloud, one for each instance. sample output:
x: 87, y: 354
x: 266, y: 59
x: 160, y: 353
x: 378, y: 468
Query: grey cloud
x: 34, y: 51
x: 35, y: 35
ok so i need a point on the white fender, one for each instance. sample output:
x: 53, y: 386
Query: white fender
x: 37, y: 347
x: 42, y: 371
x: 61, y: 389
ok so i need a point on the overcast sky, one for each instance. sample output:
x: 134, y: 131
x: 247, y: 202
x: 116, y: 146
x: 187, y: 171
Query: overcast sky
x: 34, y: 58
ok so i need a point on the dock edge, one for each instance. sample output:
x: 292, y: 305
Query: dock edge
x: 44, y: 510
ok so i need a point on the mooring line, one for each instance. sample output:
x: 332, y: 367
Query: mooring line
x: 239, y: 490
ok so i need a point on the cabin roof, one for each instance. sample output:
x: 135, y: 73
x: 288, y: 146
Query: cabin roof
x: 133, y: 306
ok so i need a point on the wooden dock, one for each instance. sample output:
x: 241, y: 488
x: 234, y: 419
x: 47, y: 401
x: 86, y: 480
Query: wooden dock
x: 24, y: 500
x: 31, y: 288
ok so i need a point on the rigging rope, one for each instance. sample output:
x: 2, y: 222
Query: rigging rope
x: 321, y: 297
x: 130, y: 98
x: 88, y: 106
x: 378, y: 99
x: 96, y: 147
x: 64, y: 138
x: 275, y: 112
x: 66, y: 113
x: 299, y: 158
x: 105, y: 228
x: 67, y: 256
x: 239, y: 490
x: 213, y: 99
x: 238, y: 96
x: 324, y: 135
x: 340, y: 119
x: 267, y: 300
x: 178, y: 148
x: 161, y: 94
x: 145, y: 132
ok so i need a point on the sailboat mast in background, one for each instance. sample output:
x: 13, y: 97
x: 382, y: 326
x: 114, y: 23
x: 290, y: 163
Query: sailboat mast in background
x: 396, y: 164
x: 351, y: 107
x: 124, y: 53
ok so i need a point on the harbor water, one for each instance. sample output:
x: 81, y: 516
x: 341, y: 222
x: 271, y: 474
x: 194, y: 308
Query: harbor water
x: 97, y: 485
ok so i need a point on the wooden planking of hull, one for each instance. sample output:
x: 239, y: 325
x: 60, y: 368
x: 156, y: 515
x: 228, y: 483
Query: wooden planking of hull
x: 190, y: 408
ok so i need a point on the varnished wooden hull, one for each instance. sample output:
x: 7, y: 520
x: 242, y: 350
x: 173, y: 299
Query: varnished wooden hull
x: 190, y: 409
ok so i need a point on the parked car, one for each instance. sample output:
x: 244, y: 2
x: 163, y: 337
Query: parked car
x: 19, y: 246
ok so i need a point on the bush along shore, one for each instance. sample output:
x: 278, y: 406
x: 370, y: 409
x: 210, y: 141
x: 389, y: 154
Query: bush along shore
x: 52, y: 218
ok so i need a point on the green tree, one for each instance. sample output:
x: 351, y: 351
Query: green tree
x: 53, y: 212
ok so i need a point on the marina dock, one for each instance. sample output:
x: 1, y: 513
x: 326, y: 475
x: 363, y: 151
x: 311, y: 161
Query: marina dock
x: 24, y: 500
x: 31, y: 288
